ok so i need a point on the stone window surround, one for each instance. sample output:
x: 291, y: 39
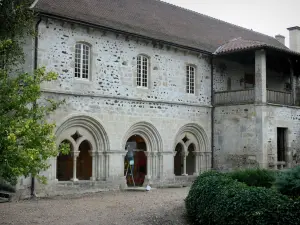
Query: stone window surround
x: 191, y: 69
x: 83, y: 44
x: 142, y: 56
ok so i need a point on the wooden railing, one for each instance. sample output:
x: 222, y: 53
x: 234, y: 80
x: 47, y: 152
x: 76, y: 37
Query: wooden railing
x: 279, y: 97
x: 234, y: 97
x: 248, y: 96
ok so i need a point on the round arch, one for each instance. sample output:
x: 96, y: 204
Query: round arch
x: 148, y: 132
x: 198, y: 137
x: 88, y: 127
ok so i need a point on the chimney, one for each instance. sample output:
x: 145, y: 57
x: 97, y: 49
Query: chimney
x: 294, y: 38
x: 280, y: 38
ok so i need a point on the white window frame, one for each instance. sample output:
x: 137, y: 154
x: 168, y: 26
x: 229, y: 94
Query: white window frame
x: 190, y: 79
x: 142, y: 77
x: 80, y: 75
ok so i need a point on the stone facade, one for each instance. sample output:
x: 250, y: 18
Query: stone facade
x: 106, y: 111
x: 108, y: 108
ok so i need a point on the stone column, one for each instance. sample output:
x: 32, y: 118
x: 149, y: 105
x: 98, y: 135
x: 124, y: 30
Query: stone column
x: 260, y: 77
x: 293, y: 85
x: 94, y: 169
x: 149, y: 161
x: 184, y: 163
x: 54, y: 169
x: 99, y: 165
x: 154, y: 168
x: 160, y: 162
x: 106, y: 165
x: 196, y: 154
x: 75, y: 155
x: 201, y: 163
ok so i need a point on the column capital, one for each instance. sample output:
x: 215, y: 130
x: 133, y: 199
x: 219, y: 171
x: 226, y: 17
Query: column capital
x: 75, y: 154
x: 92, y: 153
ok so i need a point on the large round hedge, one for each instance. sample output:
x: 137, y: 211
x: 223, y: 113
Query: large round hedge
x: 217, y: 199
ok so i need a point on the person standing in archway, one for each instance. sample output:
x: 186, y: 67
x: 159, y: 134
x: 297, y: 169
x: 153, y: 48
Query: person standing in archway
x: 130, y: 159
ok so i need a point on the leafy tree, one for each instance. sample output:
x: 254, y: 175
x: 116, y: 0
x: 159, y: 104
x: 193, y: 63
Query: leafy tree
x: 26, y: 137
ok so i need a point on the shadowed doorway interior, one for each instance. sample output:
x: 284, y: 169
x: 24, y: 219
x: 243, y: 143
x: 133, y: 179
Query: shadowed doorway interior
x: 137, y: 145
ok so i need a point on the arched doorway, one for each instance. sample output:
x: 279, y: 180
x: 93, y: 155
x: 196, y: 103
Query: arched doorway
x: 135, y: 147
x: 178, y: 160
x: 64, y: 171
x: 190, y: 160
x: 84, y: 161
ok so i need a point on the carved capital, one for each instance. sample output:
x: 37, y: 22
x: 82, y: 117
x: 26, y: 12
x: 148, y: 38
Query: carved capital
x: 75, y: 154
x: 92, y: 153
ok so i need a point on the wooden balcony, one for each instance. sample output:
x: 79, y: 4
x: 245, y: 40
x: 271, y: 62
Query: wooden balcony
x: 234, y: 97
x: 247, y: 96
x: 279, y: 97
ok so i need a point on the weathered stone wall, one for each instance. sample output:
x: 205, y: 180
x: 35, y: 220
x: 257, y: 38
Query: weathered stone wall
x: 239, y: 129
x: 235, y: 137
x: 114, y: 65
x: 283, y: 117
x: 112, y: 99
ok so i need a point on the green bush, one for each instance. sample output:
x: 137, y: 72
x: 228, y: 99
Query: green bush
x: 288, y: 182
x: 217, y: 199
x: 4, y: 186
x: 255, y: 177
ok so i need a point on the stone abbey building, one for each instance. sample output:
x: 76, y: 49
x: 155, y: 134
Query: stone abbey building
x: 184, y: 91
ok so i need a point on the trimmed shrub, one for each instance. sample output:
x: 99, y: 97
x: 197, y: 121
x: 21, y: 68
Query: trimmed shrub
x: 288, y: 182
x: 217, y: 199
x: 254, y: 177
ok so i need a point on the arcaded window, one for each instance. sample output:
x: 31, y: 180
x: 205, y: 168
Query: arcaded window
x: 142, y: 71
x: 190, y: 79
x: 82, y: 61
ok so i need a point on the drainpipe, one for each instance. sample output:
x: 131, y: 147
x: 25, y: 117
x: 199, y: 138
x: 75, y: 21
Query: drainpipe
x: 36, y: 39
x: 212, y: 111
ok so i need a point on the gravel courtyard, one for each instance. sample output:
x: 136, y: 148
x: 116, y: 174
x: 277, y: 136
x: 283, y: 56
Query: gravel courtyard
x: 157, y: 207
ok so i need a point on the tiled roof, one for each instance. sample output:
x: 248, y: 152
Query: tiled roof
x: 239, y: 44
x: 155, y: 19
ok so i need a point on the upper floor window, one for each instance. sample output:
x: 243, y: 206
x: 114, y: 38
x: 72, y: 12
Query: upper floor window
x: 190, y: 79
x: 142, y: 71
x: 82, y: 61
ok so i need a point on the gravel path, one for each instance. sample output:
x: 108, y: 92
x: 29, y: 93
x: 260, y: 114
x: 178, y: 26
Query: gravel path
x: 157, y: 207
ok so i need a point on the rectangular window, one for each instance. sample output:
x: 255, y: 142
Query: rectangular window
x: 142, y: 71
x: 190, y: 79
x: 82, y: 61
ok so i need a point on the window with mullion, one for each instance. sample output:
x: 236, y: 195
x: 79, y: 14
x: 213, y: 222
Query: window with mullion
x: 142, y: 71
x: 82, y: 61
x: 190, y: 79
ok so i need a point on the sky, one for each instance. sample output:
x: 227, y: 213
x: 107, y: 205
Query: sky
x: 270, y: 17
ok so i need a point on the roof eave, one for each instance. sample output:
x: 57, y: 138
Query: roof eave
x: 291, y: 53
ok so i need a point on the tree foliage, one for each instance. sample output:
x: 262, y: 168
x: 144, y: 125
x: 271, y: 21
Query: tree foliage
x: 26, y: 137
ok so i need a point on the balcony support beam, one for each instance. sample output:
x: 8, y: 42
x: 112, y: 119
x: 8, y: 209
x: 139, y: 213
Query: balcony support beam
x: 260, y: 77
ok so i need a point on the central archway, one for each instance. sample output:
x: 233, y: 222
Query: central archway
x: 136, y: 171
x: 152, y: 143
